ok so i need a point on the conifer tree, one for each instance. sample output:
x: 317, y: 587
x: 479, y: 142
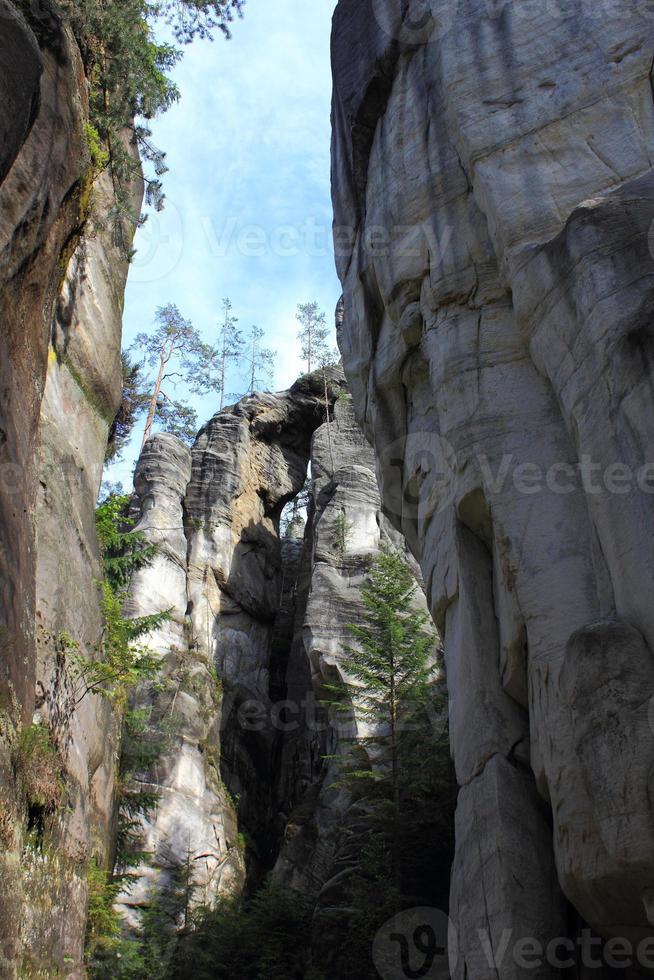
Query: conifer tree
x: 176, y: 350
x: 217, y: 358
x: 313, y: 334
x: 133, y: 403
x: 260, y: 362
x: 393, y: 694
x: 399, y: 771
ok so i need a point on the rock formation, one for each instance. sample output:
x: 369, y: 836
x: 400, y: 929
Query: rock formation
x: 258, y: 630
x: 494, y: 197
x: 214, y: 513
x: 61, y: 294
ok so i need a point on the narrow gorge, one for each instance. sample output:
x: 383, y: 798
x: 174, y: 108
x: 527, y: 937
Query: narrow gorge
x: 490, y: 425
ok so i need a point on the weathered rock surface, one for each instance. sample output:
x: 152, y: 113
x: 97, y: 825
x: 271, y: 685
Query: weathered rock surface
x: 215, y: 514
x: 494, y: 194
x: 193, y: 819
x: 258, y: 630
x: 61, y: 290
x: 324, y: 829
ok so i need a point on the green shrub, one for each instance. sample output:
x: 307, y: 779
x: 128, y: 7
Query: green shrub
x: 40, y: 767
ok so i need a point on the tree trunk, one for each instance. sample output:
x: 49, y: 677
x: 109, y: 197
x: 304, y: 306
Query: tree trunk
x: 222, y: 378
x: 329, y: 431
x: 395, y: 778
x: 163, y: 360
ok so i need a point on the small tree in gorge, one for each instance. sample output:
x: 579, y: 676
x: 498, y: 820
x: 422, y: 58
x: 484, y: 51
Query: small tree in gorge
x: 312, y: 334
x: 176, y: 350
x: 392, y: 673
x: 398, y: 771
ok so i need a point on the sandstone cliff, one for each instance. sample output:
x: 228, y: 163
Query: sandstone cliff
x: 61, y: 294
x: 258, y: 630
x: 214, y: 513
x: 494, y: 194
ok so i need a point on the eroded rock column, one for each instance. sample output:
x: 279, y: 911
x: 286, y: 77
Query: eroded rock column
x: 492, y: 183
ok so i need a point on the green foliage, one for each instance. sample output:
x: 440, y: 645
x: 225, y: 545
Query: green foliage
x: 217, y: 358
x: 259, y: 362
x: 399, y: 774
x: 121, y: 662
x: 128, y: 69
x: 133, y: 404
x: 178, y: 418
x: 313, y: 334
x: 39, y: 765
x: 124, y: 662
x: 99, y: 155
x: 296, y: 510
x: 176, y: 352
x: 109, y: 955
x: 124, y: 550
x: 342, y: 529
x: 264, y: 939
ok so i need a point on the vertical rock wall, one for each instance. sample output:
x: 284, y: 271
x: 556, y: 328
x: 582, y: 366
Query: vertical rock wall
x: 61, y: 295
x: 258, y: 630
x: 494, y: 196
x: 214, y: 512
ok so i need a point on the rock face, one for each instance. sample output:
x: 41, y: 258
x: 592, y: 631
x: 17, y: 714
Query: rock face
x: 61, y: 291
x: 257, y: 631
x: 494, y: 194
x: 215, y: 513
x: 345, y: 531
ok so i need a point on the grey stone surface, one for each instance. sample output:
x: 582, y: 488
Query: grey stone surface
x: 19, y: 83
x: 493, y: 166
x: 214, y: 512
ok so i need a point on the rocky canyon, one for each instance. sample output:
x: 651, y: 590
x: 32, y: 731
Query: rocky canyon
x: 491, y: 423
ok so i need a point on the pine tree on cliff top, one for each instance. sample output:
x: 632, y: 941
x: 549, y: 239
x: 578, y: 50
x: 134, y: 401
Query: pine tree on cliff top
x: 312, y: 334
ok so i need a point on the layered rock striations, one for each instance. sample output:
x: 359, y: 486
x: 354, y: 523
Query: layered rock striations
x: 214, y: 513
x: 247, y: 783
x: 61, y: 296
x: 494, y: 196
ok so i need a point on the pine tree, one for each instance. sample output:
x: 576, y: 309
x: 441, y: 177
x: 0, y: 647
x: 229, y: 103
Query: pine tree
x: 399, y: 773
x: 133, y: 403
x: 217, y: 358
x: 178, y: 353
x: 392, y: 671
x: 313, y: 334
x: 230, y: 345
x: 260, y: 362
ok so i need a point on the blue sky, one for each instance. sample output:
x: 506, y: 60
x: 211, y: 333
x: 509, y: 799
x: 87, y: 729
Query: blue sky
x: 248, y: 211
